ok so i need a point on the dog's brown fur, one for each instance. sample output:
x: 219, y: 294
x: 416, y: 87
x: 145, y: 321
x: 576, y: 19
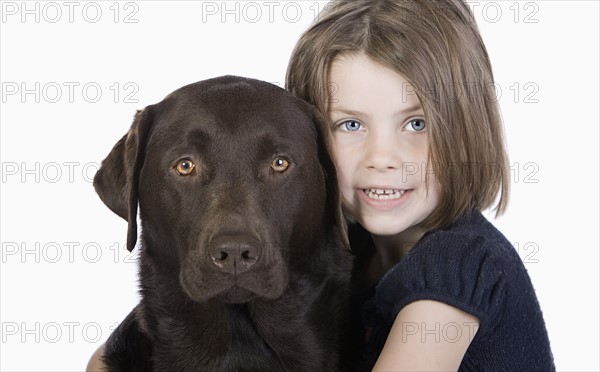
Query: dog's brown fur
x: 278, y: 305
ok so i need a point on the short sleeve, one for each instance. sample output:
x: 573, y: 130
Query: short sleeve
x: 471, y: 266
x: 463, y: 270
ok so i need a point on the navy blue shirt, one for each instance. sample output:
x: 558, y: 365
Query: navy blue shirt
x: 469, y: 265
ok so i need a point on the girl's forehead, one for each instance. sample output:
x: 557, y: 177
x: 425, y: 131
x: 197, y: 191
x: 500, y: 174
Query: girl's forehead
x: 356, y: 82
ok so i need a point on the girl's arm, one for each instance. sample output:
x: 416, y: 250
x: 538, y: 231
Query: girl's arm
x: 95, y: 364
x: 427, y: 336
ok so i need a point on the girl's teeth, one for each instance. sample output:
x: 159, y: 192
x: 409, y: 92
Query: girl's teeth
x: 381, y: 194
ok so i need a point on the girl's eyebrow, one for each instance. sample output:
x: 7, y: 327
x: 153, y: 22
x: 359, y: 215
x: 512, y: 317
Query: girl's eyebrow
x: 410, y: 110
x: 347, y: 112
x: 405, y: 111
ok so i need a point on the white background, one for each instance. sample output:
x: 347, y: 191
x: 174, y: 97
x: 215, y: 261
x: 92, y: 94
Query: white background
x: 66, y: 278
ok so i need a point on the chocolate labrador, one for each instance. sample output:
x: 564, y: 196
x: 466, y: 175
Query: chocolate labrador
x: 244, y: 263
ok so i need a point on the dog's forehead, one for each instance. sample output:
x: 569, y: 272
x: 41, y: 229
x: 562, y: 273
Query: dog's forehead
x: 219, y: 92
x: 235, y: 106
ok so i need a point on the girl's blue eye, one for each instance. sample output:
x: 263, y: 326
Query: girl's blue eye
x: 416, y: 125
x: 351, y: 125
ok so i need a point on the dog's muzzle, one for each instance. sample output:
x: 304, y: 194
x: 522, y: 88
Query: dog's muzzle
x: 234, y: 255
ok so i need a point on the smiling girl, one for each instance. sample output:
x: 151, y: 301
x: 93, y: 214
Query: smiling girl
x: 417, y: 138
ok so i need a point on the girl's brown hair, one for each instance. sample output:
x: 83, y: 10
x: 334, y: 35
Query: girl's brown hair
x: 436, y: 46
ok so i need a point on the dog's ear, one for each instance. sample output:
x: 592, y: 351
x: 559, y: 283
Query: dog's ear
x: 334, y: 202
x: 116, y: 182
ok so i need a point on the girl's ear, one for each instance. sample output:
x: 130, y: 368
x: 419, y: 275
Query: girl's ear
x: 116, y: 182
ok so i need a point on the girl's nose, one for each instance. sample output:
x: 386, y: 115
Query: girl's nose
x: 381, y: 153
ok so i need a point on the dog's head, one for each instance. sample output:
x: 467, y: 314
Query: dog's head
x: 235, y: 185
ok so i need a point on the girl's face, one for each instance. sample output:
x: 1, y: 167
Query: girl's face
x: 380, y: 147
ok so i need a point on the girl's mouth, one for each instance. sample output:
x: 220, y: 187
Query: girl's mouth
x: 384, y: 194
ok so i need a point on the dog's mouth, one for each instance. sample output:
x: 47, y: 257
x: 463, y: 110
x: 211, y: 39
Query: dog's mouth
x: 234, y: 291
x: 203, y: 280
x: 236, y: 295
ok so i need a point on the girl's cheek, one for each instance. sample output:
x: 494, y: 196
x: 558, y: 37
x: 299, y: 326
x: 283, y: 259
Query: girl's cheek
x: 337, y: 153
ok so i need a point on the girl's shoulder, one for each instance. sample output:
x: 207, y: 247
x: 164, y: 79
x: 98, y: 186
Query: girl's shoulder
x: 470, y: 232
x: 469, y: 243
x: 468, y: 264
x: 471, y: 266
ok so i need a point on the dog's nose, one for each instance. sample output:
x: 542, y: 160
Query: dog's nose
x: 234, y: 256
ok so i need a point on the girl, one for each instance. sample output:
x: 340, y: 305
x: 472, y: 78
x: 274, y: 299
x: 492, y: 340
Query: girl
x: 417, y: 139
x: 416, y: 134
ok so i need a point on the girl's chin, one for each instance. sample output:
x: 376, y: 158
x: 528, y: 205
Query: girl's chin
x: 383, y: 226
x: 392, y: 226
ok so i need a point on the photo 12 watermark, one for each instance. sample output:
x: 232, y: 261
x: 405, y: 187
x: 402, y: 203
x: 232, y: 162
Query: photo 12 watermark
x: 55, y: 332
x: 525, y: 173
x: 515, y: 92
x: 53, y: 252
x: 69, y: 12
x: 493, y: 12
x: 68, y: 92
x: 48, y: 172
x: 251, y: 12
x: 528, y: 251
x: 438, y: 332
x: 526, y: 12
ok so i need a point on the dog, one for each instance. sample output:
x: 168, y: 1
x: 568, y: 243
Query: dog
x: 244, y: 259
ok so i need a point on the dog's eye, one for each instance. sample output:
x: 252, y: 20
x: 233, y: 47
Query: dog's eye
x: 279, y: 165
x: 184, y: 167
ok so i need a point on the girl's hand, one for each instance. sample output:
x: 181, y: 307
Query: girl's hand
x: 427, y: 336
x: 95, y: 364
